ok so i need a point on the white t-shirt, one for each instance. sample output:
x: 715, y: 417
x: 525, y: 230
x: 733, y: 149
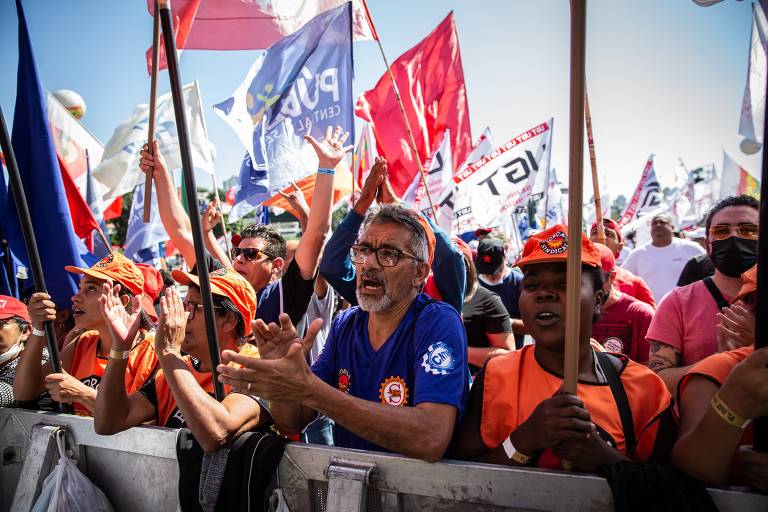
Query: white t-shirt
x: 660, y: 267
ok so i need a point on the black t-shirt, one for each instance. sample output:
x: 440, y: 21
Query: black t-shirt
x: 696, y: 269
x: 484, y: 313
x: 289, y: 294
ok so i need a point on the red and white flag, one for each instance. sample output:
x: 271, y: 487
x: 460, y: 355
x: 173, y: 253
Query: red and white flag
x: 363, y: 157
x: 430, y: 79
x: 647, y: 198
x: 736, y: 181
x: 249, y: 24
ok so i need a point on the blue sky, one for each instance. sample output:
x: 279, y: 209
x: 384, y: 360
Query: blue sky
x: 664, y: 76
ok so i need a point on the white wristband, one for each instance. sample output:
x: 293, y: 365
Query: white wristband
x: 38, y: 332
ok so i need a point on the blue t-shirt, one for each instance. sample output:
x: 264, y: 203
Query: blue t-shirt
x: 424, y: 360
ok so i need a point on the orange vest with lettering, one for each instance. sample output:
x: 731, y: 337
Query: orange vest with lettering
x: 88, y: 366
x: 515, y: 384
x: 168, y: 415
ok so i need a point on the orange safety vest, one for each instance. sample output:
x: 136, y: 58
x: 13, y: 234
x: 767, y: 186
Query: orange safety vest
x: 168, y: 414
x: 515, y: 384
x: 88, y: 366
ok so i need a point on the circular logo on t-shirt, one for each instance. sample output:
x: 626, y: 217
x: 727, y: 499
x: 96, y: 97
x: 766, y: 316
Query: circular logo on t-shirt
x: 393, y: 391
x: 557, y: 243
x: 439, y: 359
x: 614, y: 345
x: 345, y: 380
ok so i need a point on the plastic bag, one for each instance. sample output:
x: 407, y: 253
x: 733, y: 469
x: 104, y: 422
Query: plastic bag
x: 66, y: 489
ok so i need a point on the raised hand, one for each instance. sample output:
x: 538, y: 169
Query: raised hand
x: 171, y: 324
x: 330, y: 149
x: 122, y: 326
x: 151, y: 161
x: 274, y: 341
x: 298, y: 203
x: 371, y: 186
x: 211, y: 216
x: 385, y: 194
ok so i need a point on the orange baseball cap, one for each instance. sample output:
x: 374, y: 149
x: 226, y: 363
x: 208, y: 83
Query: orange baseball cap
x: 551, y: 245
x: 748, y: 284
x: 227, y: 283
x: 114, y: 267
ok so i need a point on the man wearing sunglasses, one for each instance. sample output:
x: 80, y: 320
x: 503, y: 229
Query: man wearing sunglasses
x: 684, y: 328
x: 393, y: 373
x: 260, y: 254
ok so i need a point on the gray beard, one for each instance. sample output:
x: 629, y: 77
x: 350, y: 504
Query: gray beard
x: 373, y: 305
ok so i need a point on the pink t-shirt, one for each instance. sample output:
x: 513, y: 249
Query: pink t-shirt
x: 622, y: 328
x: 687, y: 320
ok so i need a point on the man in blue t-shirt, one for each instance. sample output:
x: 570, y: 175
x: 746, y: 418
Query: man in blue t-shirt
x: 393, y: 373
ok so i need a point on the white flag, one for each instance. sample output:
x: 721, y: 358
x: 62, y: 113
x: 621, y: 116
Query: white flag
x: 647, y: 198
x: 119, y: 169
x: 439, y: 174
x: 140, y: 236
x: 495, y: 186
x: 736, y: 181
x: 550, y: 207
x: 753, y: 106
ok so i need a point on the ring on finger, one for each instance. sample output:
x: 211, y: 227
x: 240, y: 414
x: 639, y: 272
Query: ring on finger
x: 248, y: 386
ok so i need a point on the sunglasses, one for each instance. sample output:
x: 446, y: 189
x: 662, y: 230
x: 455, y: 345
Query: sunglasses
x: 251, y: 254
x: 745, y: 230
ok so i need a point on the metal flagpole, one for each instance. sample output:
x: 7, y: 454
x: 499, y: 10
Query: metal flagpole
x: 411, y: 140
x: 191, y: 189
x: 17, y: 188
x: 152, y: 108
x: 593, y: 162
x: 575, y: 186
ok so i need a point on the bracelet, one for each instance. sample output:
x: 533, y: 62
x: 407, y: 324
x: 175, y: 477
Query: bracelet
x: 728, y: 415
x: 323, y: 170
x: 119, y: 354
x: 513, y: 454
x: 38, y: 332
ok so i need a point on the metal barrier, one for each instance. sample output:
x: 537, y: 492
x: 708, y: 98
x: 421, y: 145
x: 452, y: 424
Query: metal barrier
x: 137, y: 471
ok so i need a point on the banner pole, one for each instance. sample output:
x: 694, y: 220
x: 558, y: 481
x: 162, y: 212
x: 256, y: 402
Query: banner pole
x: 17, y: 189
x: 191, y: 189
x: 152, y: 108
x: 593, y: 164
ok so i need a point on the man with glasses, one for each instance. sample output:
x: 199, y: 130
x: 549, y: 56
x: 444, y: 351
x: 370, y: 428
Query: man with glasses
x: 684, y: 328
x: 660, y: 262
x: 393, y: 374
x: 260, y: 254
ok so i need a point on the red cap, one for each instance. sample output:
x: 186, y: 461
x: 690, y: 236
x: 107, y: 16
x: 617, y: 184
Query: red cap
x: 607, y: 260
x: 153, y: 285
x: 10, y: 307
x: 114, y: 267
x: 551, y: 245
x: 748, y: 284
x: 610, y: 224
x: 229, y: 284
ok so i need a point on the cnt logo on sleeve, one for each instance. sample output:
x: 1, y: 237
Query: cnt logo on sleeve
x: 439, y: 359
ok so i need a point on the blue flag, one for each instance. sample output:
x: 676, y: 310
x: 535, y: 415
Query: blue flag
x: 8, y: 263
x: 41, y: 178
x: 300, y: 86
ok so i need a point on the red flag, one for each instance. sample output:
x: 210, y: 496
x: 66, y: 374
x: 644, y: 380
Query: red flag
x: 230, y: 196
x: 241, y: 25
x: 430, y: 79
x: 114, y: 210
x: 82, y: 217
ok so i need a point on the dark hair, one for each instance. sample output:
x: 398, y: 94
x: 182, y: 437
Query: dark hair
x: 229, y: 307
x: 274, y: 241
x: 471, y: 286
x: 597, y: 275
x: 145, y: 321
x: 742, y: 200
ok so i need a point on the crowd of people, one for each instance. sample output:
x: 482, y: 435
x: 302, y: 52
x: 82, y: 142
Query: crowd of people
x: 442, y: 349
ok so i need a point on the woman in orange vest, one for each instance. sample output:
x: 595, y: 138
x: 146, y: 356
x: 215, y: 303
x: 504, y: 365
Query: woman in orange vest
x: 718, y: 397
x: 84, y: 360
x: 517, y: 413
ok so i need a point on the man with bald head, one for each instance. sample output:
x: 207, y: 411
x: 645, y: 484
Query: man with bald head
x: 660, y: 262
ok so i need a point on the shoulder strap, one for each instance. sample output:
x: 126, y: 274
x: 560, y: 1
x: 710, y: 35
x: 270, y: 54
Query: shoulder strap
x: 620, y: 396
x: 715, y: 292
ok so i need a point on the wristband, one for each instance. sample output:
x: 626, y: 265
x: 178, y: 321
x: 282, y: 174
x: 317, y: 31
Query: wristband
x: 513, y: 454
x: 728, y: 415
x: 329, y: 172
x: 38, y: 332
x: 119, y: 354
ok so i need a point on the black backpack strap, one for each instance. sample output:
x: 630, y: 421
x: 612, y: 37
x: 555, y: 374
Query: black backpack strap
x: 715, y: 292
x: 620, y: 396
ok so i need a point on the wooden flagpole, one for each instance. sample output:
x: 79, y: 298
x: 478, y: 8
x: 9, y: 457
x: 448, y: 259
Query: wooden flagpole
x: 575, y: 187
x: 152, y: 108
x: 593, y: 162
x: 411, y: 140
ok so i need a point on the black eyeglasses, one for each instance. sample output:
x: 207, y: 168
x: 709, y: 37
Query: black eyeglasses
x: 251, y: 254
x: 192, y: 307
x: 385, y: 256
x: 7, y: 321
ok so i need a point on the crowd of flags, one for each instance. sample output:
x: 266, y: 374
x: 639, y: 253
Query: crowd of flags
x: 416, y: 116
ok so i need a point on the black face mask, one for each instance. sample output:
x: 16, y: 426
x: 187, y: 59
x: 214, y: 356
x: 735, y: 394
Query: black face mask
x: 734, y: 255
